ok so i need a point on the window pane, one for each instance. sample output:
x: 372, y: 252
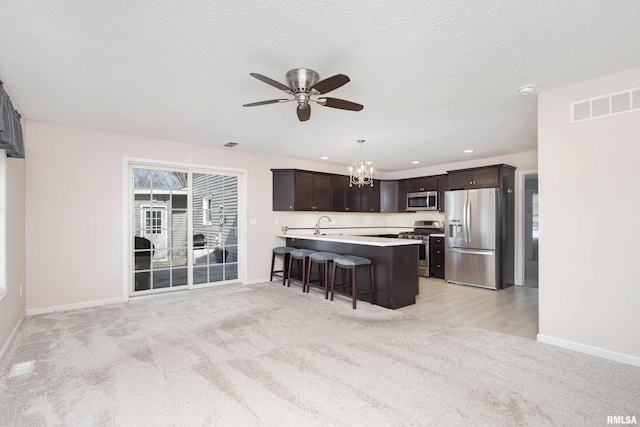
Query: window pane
x: 142, y: 281
x: 232, y: 254
x: 161, y: 278
x: 216, y: 273
x: 201, y: 256
x: 179, y: 277
x: 142, y: 178
x: 199, y: 275
x: 230, y: 271
x: 230, y: 236
x: 178, y: 257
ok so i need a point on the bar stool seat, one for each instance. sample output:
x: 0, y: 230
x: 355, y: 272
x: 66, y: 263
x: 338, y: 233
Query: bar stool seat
x: 350, y: 262
x: 283, y: 251
x: 302, y: 256
x: 321, y: 259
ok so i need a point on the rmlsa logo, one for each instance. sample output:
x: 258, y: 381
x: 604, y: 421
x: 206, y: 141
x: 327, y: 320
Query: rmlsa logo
x: 621, y: 419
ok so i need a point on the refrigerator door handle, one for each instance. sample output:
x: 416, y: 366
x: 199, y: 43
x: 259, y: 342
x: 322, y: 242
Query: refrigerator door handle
x: 467, y: 218
x: 472, y: 252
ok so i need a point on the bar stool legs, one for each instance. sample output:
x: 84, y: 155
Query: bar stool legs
x: 352, y: 263
x: 321, y: 259
x: 285, y: 252
x: 303, y: 256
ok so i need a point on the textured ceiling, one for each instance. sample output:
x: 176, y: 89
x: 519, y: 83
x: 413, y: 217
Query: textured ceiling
x: 434, y: 77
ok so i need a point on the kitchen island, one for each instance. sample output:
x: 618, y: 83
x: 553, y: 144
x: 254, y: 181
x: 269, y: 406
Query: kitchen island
x: 395, y: 263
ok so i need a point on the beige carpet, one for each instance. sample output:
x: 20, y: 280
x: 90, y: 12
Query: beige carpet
x: 268, y: 355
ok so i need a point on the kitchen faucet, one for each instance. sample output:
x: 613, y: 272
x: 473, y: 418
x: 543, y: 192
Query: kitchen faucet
x: 317, y: 231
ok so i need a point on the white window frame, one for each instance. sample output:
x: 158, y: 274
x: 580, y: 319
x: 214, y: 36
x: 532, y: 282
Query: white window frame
x: 3, y: 222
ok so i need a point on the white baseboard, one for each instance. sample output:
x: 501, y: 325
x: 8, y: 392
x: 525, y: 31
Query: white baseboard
x: 86, y: 304
x: 593, y: 351
x: 256, y: 281
x: 6, y: 345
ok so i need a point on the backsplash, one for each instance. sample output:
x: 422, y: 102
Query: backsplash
x: 349, y: 222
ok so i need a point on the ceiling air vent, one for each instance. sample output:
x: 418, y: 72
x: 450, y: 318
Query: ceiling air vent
x: 625, y: 101
x: 231, y: 144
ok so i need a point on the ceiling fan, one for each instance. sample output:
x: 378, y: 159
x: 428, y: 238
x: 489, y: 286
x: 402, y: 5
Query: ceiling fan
x: 305, y: 85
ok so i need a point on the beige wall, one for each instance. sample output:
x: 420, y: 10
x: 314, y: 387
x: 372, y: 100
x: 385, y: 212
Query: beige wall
x: 75, y: 208
x: 12, y: 307
x: 589, y: 186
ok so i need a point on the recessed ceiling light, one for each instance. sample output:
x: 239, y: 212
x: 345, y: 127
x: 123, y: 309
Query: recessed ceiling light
x: 527, y: 89
x: 369, y: 163
x: 324, y: 158
x: 231, y: 144
x: 415, y: 162
x: 468, y: 151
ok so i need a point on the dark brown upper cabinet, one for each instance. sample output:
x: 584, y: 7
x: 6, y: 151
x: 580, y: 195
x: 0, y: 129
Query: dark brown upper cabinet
x: 370, y: 197
x: 313, y: 191
x: 354, y: 198
x: 424, y: 183
x: 443, y: 185
x: 301, y: 190
x: 284, y: 185
x: 343, y: 197
x: 482, y: 177
x: 389, y: 197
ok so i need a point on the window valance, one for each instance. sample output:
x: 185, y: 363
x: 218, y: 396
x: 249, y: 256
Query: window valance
x: 10, y: 127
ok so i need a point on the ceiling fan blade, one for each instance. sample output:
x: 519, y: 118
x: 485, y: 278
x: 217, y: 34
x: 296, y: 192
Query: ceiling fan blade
x: 304, y: 113
x: 331, y: 83
x: 271, y: 82
x: 271, y: 101
x: 340, y: 103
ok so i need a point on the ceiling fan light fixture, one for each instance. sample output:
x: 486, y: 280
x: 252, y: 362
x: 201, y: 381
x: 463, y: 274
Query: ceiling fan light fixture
x: 361, y: 172
x: 305, y: 85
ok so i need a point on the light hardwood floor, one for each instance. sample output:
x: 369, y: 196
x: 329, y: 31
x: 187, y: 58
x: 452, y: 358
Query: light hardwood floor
x: 512, y: 311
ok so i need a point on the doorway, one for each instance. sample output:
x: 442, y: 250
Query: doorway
x: 530, y: 230
x: 184, y: 228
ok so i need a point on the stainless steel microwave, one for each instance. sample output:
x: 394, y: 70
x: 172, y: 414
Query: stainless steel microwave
x: 422, y: 201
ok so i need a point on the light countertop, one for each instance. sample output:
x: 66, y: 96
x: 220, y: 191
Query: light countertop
x: 354, y: 240
x: 437, y: 235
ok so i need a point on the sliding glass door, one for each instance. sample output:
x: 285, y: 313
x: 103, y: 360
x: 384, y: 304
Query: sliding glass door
x: 215, y: 227
x: 184, y: 229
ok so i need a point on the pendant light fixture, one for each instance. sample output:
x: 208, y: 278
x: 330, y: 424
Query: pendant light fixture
x: 361, y: 173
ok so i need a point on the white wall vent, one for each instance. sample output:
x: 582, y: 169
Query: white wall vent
x: 625, y: 101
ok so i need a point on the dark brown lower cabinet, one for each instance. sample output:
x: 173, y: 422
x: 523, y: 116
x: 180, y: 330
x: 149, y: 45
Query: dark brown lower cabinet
x: 436, y: 257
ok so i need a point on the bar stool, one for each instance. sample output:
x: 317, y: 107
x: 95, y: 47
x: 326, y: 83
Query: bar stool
x: 302, y: 256
x: 349, y: 262
x: 281, y: 251
x: 321, y: 259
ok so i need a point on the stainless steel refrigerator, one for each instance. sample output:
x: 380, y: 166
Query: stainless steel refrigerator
x: 472, y: 245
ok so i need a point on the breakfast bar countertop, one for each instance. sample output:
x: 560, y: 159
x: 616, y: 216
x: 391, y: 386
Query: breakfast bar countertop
x: 354, y: 240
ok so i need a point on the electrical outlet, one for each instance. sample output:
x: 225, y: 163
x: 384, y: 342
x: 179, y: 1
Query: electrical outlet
x: 20, y: 290
x: 277, y: 221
